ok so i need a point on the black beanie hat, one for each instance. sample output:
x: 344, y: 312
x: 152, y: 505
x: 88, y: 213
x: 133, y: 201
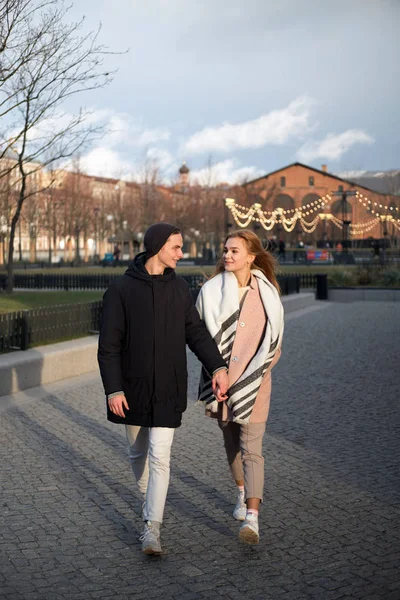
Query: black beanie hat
x: 156, y: 236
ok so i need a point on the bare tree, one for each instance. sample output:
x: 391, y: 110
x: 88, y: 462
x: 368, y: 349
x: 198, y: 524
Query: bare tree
x: 151, y: 199
x: 53, y: 203
x: 15, y: 16
x: 79, y: 208
x: 55, y: 63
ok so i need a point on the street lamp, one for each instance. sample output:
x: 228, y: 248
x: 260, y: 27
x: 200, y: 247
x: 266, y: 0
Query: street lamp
x: 345, y: 222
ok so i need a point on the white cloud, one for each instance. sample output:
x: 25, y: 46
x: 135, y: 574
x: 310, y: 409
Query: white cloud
x: 275, y: 127
x: 226, y: 171
x: 42, y: 132
x: 106, y: 162
x: 120, y: 129
x: 333, y: 146
x: 162, y: 158
x: 152, y: 136
x: 156, y: 162
x: 123, y: 137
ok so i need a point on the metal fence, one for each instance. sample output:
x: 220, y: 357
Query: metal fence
x: 308, y: 280
x: 71, y: 281
x: 58, y: 281
x: 25, y: 328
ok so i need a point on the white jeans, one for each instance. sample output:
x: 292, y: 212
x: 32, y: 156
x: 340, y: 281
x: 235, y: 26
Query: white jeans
x: 150, y: 453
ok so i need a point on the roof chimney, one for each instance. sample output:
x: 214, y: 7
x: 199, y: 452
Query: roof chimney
x: 324, y: 168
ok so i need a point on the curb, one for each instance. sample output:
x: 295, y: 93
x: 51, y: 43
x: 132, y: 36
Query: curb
x: 363, y: 295
x: 46, y: 364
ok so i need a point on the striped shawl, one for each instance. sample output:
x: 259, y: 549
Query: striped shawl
x: 218, y: 306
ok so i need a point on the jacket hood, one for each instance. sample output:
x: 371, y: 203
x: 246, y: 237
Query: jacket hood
x: 137, y: 270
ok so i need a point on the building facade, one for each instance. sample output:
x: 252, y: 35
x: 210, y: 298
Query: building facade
x: 72, y: 216
x: 298, y: 188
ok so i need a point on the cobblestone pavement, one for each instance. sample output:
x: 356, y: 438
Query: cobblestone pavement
x: 330, y: 520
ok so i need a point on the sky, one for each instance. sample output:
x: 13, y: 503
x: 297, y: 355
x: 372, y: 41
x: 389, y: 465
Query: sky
x: 241, y: 88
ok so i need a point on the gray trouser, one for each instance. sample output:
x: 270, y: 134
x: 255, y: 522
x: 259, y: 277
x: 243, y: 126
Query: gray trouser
x: 243, y: 445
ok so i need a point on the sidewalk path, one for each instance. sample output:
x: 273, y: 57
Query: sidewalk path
x: 330, y: 521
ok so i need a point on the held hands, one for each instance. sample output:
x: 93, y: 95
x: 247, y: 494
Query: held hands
x: 117, y: 404
x: 220, y: 385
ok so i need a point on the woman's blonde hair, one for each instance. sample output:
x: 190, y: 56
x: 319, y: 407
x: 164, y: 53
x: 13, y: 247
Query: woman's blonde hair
x: 264, y: 261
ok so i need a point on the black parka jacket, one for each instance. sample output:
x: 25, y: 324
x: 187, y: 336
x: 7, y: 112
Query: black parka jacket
x: 147, y: 320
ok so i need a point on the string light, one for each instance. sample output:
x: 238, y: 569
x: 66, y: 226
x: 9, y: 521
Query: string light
x: 243, y: 216
x: 363, y: 199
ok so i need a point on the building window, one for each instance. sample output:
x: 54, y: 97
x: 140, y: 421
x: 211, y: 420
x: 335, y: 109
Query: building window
x: 340, y: 188
x: 283, y: 181
x: 311, y: 181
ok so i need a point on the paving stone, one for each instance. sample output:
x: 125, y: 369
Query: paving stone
x: 70, y: 517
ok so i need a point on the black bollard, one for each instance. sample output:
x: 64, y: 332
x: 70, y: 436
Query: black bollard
x: 321, y: 292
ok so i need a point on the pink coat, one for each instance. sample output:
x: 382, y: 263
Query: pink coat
x: 249, y: 332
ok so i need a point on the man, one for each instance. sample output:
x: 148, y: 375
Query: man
x: 116, y: 254
x: 148, y: 317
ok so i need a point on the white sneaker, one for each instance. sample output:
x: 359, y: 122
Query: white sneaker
x: 150, y: 538
x: 248, y: 532
x: 239, y: 512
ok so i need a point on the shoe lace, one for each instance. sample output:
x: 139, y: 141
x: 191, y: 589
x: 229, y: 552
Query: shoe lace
x: 148, y: 533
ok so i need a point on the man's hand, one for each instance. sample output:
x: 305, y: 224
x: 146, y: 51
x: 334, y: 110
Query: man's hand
x: 117, y: 404
x: 220, y: 385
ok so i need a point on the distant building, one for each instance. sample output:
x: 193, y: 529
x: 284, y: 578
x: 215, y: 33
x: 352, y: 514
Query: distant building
x: 297, y: 186
x: 184, y: 172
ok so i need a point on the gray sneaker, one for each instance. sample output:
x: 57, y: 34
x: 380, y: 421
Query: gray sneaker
x: 150, y: 538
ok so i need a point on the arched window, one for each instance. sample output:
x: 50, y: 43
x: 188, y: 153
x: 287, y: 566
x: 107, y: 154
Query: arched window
x: 255, y: 199
x: 283, y: 201
x: 308, y: 198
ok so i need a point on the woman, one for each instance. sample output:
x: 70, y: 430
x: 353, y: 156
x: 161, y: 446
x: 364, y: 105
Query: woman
x: 243, y: 312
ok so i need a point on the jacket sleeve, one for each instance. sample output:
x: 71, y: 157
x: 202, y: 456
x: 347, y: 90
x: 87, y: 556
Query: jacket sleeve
x: 112, y: 333
x: 199, y: 339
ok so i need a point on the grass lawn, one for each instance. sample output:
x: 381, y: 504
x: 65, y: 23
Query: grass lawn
x: 26, y: 300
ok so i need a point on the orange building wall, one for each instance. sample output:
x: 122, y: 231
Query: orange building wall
x: 298, y: 187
